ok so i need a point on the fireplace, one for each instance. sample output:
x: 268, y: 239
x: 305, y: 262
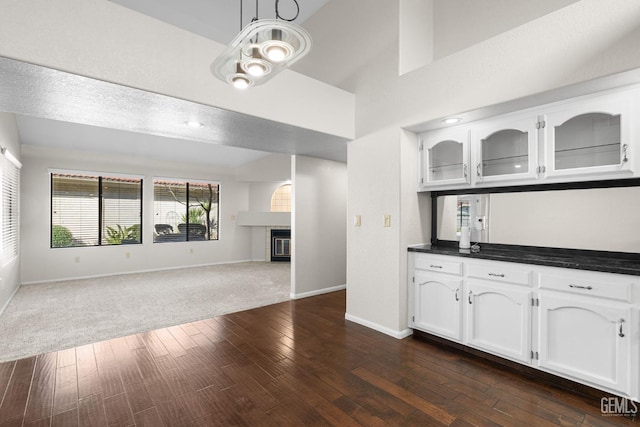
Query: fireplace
x: 281, y: 245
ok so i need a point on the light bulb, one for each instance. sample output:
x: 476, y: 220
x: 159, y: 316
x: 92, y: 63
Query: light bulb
x: 240, y: 82
x: 256, y: 69
x: 276, y: 53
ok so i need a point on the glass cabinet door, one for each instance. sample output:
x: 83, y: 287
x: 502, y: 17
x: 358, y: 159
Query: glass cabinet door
x: 506, y: 150
x: 589, y: 137
x: 445, y: 157
x: 586, y: 141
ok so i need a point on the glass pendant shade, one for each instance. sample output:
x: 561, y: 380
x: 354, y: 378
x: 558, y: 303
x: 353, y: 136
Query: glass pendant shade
x: 261, y: 50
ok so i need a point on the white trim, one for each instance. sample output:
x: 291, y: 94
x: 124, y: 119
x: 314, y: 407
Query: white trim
x: 396, y: 334
x: 93, y: 174
x: 38, y: 282
x: 10, y: 157
x: 184, y: 180
x: 318, y: 292
x: 4, y: 307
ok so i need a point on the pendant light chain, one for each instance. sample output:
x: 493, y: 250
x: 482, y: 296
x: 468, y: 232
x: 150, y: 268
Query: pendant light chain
x: 285, y: 19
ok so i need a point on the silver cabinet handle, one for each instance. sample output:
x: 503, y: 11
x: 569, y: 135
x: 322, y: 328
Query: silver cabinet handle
x: 571, y: 285
x: 625, y: 157
x: 470, y: 293
x: 478, y: 169
x: 496, y: 274
x: 457, y: 299
x: 620, y: 334
x: 435, y: 266
x: 464, y: 170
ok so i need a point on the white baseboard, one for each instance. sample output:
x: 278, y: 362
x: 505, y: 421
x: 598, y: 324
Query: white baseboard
x: 4, y: 307
x: 317, y: 292
x: 396, y: 334
x: 38, y: 282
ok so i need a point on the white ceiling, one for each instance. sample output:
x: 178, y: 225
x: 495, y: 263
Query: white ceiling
x: 90, y: 111
x: 93, y: 114
x: 219, y: 20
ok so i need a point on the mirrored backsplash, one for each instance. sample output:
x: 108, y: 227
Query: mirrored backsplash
x: 600, y: 219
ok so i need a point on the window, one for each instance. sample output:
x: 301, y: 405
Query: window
x: 92, y: 210
x: 185, y: 210
x: 10, y: 206
x: 281, y: 199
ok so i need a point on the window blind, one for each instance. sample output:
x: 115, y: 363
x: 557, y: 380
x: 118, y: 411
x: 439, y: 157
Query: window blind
x: 10, y: 207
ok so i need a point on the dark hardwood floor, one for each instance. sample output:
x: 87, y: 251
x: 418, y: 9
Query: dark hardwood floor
x: 294, y: 363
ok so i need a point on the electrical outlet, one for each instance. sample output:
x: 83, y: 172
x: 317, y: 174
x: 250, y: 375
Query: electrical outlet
x: 77, y: 259
x: 127, y: 255
x: 357, y: 220
x: 191, y: 250
x: 387, y: 220
x: 233, y: 217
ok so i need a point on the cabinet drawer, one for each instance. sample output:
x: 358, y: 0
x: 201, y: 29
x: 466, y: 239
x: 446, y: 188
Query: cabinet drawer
x: 600, y: 287
x: 449, y: 266
x: 500, y: 272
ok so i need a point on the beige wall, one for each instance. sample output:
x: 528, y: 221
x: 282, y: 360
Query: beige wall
x: 319, y: 203
x: 10, y: 273
x: 604, y: 219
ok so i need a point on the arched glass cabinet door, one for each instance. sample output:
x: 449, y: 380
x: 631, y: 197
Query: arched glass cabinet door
x: 445, y: 155
x: 590, y: 138
x: 506, y: 150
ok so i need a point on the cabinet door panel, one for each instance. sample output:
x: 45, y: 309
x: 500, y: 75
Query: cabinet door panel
x: 590, y: 137
x: 445, y: 158
x: 506, y: 150
x: 587, y: 341
x: 499, y: 320
x: 437, y: 305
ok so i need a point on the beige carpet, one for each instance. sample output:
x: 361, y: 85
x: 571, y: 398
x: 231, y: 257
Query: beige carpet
x: 55, y: 316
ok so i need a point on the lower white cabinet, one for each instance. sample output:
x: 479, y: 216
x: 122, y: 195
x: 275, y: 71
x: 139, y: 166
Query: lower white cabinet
x: 587, y: 340
x: 499, y: 320
x: 437, y: 305
x: 580, y: 325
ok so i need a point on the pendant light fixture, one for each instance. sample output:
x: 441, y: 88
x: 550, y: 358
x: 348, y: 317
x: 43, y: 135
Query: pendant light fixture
x: 261, y: 50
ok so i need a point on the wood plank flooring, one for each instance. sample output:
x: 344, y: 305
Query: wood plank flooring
x: 293, y: 363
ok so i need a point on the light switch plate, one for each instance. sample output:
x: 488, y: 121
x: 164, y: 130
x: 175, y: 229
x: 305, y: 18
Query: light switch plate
x: 387, y: 220
x: 357, y: 220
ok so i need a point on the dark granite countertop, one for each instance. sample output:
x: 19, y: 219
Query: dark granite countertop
x: 625, y: 264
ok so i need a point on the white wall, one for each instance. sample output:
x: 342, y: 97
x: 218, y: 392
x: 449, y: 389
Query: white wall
x: 585, y: 40
x: 318, y: 222
x: 41, y: 263
x: 10, y: 273
x: 265, y: 176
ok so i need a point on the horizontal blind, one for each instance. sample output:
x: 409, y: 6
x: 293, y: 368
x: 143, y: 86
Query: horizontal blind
x: 10, y: 209
x: 76, y: 215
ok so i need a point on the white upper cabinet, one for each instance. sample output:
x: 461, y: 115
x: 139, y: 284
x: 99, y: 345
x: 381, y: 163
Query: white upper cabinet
x: 505, y: 149
x: 444, y: 158
x: 590, y: 137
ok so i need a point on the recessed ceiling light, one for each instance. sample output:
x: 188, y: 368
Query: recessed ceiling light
x: 193, y: 124
x: 452, y: 120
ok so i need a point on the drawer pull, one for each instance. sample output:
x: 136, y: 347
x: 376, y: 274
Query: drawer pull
x: 457, y: 299
x: 470, y: 293
x: 571, y: 285
x: 620, y: 334
x: 496, y: 275
x: 435, y: 266
x: 625, y: 157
